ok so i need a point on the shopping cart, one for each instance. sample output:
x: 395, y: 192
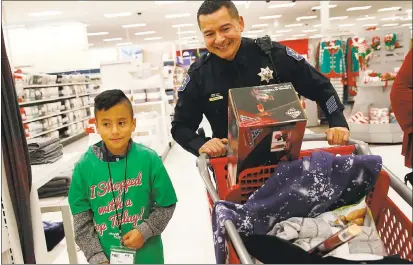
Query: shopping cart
x: 394, y: 228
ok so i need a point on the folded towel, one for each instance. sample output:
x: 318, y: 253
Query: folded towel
x: 47, y: 160
x: 46, y: 188
x: 49, y: 194
x: 46, y: 150
x: 38, y: 143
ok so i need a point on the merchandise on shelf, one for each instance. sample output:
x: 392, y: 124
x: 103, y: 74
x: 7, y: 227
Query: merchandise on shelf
x: 375, y: 43
x: 331, y: 59
x: 379, y: 115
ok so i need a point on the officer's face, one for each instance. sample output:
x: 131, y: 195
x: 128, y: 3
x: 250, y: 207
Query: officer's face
x: 222, y: 33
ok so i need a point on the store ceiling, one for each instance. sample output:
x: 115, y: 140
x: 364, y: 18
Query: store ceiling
x: 153, y: 14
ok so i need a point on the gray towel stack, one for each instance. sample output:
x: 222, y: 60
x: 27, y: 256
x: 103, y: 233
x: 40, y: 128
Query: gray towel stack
x: 58, y: 186
x: 44, y: 150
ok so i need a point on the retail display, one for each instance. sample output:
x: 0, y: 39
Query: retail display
x: 266, y: 125
x: 331, y: 59
x: 58, y: 186
x: 44, y: 150
x: 301, y: 188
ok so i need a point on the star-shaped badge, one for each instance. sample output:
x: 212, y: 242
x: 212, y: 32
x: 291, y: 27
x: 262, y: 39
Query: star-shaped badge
x: 266, y: 74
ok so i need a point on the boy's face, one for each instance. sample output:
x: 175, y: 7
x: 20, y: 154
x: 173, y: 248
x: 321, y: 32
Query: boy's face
x: 115, y: 126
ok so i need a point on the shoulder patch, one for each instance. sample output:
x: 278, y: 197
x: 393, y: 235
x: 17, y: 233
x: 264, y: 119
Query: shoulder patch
x: 294, y: 54
x: 184, y: 83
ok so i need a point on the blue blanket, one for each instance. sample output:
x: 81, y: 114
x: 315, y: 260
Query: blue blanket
x: 301, y: 188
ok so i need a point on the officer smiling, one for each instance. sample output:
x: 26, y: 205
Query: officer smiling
x: 234, y: 62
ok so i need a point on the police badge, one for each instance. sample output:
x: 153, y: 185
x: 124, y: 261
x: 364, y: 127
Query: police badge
x: 266, y: 74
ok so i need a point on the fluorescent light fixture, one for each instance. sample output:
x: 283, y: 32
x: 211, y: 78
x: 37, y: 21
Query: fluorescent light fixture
x: 270, y: 17
x: 406, y: 25
x: 250, y: 36
x: 393, y: 8
x: 291, y: 39
x: 91, y: 44
x: 339, y: 18
x: 98, y: 33
x: 356, y: 8
x: 239, y: 3
x: 192, y: 41
x: 319, y: 7
x: 316, y: 36
x: 154, y: 38
x: 182, y: 25
x: 305, y: 18
x: 112, y: 39
x: 14, y: 26
x: 145, y: 33
x: 168, y: 2
x: 189, y: 38
x: 123, y: 43
x: 293, y: 25
x: 299, y: 35
x: 276, y: 35
x: 45, y: 13
x: 255, y: 31
x: 122, y: 14
x: 186, y: 32
x: 346, y: 25
x: 365, y: 18
x: 310, y: 30
x: 283, y: 30
x: 370, y: 25
x: 133, y: 25
x: 178, y: 15
x: 282, y: 5
x: 317, y: 26
x: 407, y: 18
x: 391, y: 18
x: 259, y: 25
x: 390, y: 25
x: 408, y: 11
x: 81, y: 1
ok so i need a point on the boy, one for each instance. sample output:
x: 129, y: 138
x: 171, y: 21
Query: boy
x: 121, y: 193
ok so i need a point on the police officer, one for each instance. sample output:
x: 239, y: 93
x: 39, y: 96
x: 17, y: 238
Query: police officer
x: 234, y: 62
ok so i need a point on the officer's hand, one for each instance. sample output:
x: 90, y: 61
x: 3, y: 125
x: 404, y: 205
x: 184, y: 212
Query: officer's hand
x: 338, y: 135
x: 214, y: 147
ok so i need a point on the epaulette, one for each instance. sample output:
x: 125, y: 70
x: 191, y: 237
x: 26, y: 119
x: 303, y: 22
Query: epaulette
x: 200, y: 62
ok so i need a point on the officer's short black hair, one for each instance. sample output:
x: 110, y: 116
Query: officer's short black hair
x: 210, y: 6
x: 109, y: 98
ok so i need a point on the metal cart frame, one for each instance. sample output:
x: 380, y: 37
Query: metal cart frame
x: 360, y: 148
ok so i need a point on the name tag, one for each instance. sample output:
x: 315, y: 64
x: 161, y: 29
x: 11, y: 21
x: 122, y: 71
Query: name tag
x: 122, y: 255
x: 215, y: 97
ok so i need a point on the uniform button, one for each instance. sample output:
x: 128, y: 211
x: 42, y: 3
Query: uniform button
x: 117, y: 159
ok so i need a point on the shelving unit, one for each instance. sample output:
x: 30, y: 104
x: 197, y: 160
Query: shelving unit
x: 60, y: 84
x: 55, y: 114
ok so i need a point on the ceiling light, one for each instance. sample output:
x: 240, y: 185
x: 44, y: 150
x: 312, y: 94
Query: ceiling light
x: 408, y: 11
x: 178, y: 15
x: 293, y: 25
x: 123, y: 43
x: 276, y: 35
x: 112, y: 39
x: 283, y: 30
x: 317, y: 26
x: 406, y: 25
x: 407, y: 18
x: 145, y: 33
x: 250, y: 36
x: 123, y: 14
x: 98, y: 33
x: 255, y: 31
x: 45, y: 13
x: 259, y: 25
x: 346, y: 25
x: 182, y: 25
x: 186, y: 32
x: 390, y: 25
x: 189, y: 38
x: 270, y: 17
x: 14, y: 26
x: 168, y: 2
x: 282, y: 5
x: 365, y: 18
x: 240, y: 3
x: 310, y: 30
x: 81, y: 1
x: 154, y: 38
x: 134, y: 25
x: 356, y: 8
x: 192, y: 41
x: 91, y: 44
x: 390, y: 18
x: 299, y: 35
x: 388, y: 9
x: 319, y: 7
x: 339, y: 18
x: 370, y: 25
x: 305, y: 17
x: 316, y: 36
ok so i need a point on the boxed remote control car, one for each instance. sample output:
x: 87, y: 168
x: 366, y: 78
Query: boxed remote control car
x: 266, y: 125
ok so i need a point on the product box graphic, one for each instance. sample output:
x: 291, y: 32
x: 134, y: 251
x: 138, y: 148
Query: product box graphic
x: 266, y: 125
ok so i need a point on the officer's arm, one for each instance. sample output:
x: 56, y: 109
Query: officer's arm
x: 188, y: 115
x: 311, y: 84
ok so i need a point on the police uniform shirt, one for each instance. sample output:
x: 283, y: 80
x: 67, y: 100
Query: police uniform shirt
x: 205, y: 89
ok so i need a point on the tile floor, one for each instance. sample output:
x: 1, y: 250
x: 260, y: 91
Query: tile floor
x: 188, y: 237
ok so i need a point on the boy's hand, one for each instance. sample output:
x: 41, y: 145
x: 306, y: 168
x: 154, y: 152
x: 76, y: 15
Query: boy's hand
x: 133, y: 239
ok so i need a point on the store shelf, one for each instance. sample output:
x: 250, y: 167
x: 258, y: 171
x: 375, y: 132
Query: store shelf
x: 58, y: 128
x: 147, y: 103
x: 61, y: 84
x: 376, y: 84
x: 64, y: 140
x: 51, y: 99
x: 55, y: 114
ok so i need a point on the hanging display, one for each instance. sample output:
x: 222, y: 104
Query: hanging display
x: 375, y: 43
x: 331, y: 59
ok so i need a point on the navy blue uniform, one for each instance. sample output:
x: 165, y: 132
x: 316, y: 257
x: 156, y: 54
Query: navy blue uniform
x: 205, y: 89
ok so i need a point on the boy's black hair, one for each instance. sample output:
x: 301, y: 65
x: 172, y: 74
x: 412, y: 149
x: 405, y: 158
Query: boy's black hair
x: 211, y: 6
x: 109, y: 98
